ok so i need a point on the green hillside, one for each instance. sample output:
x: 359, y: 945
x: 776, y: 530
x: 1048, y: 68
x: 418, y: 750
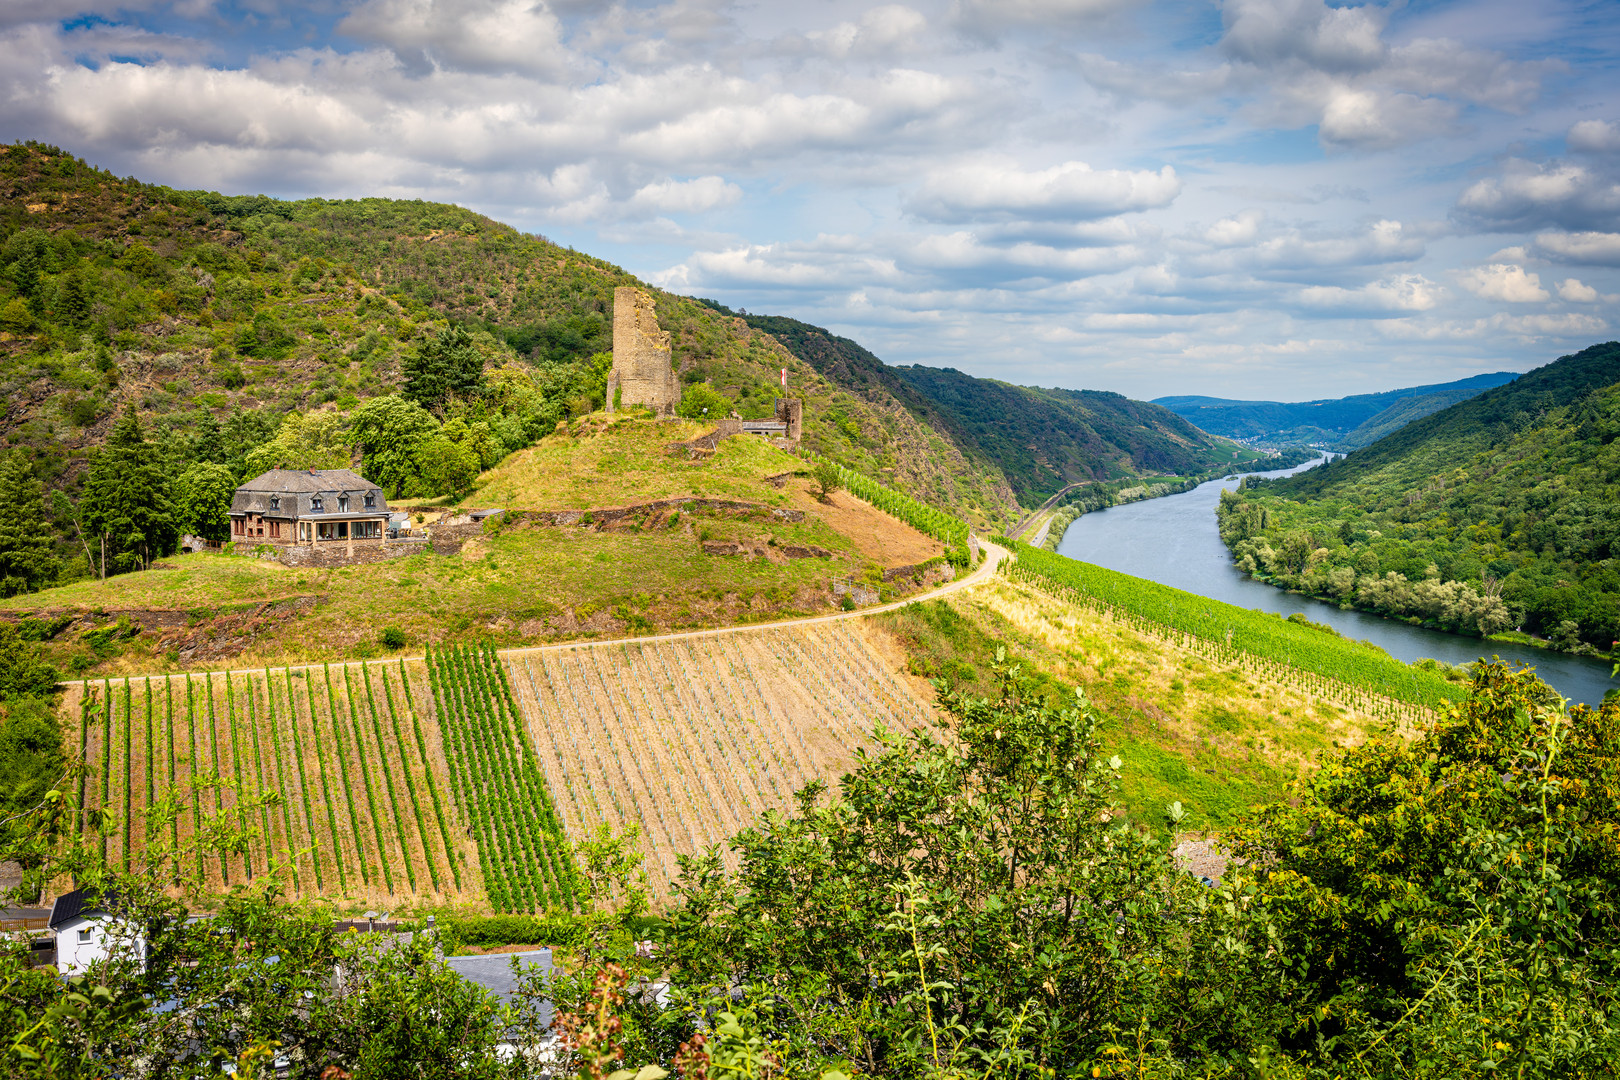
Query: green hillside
x: 1038, y: 439
x: 1340, y: 423
x: 1500, y: 511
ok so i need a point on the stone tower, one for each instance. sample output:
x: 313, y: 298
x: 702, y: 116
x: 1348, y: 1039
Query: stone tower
x: 641, y: 372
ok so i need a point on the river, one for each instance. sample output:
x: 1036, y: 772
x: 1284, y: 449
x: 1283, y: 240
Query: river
x: 1174, y: 541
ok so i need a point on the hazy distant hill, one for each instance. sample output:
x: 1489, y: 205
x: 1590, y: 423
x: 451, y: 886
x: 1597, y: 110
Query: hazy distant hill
x: 1039, y: 439
x: 1341, y: 423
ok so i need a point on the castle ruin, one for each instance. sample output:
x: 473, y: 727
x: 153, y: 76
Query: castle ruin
x: 641, y: 373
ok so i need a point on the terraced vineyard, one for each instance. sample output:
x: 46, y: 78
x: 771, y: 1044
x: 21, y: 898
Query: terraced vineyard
x: 692, y: 738
x: 467, y: 776
x: 353, y: 749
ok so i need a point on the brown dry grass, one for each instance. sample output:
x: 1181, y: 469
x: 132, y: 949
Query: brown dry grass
x: 876, y: 536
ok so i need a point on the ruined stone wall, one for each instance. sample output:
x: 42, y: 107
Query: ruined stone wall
x: 790, y: 411
x: 641, y: 372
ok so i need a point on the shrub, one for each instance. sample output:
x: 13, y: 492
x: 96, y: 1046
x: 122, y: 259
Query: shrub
x: 393, y: 638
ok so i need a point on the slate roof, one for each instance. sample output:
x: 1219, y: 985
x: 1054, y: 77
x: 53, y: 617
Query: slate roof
x: 297, y: 488
x: 72, y: 905
x: 494, y: 973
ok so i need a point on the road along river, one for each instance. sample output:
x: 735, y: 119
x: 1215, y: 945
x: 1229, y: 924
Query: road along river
x: 1174, y: 541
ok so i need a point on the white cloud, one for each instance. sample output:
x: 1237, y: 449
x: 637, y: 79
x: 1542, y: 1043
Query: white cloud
x: 1403, y: 293
x: 1593, y: 248
x: 992, y: 18
x: 1505, y: 282
x: 881, y: 31
x: 1594, y: 136
x: 1239, y: 229
x: 1268, y: 32
x: 1528, y: 194
x: 1575, y: 292
x: 998, y: 192
x: 1374, y: 119
x: 686, y: 196
x: 468, y: 35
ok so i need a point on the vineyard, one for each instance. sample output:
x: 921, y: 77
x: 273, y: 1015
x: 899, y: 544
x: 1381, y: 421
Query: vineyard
x: 950, y: 531
x: 691, y: 739
x: 1365, y: 676
x: 365, y: 812
x: 527, y: 863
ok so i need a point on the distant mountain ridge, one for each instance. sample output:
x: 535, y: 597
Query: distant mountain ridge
x: 1039, y: 439
x: 1342, y: 423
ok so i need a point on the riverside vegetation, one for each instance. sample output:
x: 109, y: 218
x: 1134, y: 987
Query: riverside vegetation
x: 1496, y: 513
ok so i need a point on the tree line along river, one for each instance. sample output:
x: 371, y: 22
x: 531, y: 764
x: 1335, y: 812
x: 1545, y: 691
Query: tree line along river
x: 1174, y: 540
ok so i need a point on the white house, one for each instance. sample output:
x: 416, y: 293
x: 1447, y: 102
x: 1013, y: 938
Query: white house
x: 86, y: 931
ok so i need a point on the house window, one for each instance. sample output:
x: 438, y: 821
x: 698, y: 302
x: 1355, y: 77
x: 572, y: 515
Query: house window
x: 343, y: 504
x: 315, y: 504
x: 371, y: 500
x: 275, y: 502
x: 84, y: 935
x: 236, y: 526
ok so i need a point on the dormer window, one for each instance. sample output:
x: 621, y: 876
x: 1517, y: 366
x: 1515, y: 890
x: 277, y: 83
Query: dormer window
x: 315, y: 504
x: 343, y: 504
x: 371, y: 500
x: 275, y: 502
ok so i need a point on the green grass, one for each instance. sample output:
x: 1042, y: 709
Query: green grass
x: 619, y: 462
x: 1302, y: 647
x: 1218, y: 776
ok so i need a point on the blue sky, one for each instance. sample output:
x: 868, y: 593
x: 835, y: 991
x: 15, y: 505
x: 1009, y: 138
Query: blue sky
x: 1283, y: 199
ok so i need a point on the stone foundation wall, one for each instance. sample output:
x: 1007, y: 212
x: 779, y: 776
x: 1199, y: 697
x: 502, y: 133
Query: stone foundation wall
x: 641, y: 373
x: 335, y: 553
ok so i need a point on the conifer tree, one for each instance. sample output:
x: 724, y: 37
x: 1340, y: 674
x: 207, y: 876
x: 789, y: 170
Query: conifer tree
x: 127, y: 503
x: 26, y: 561
x: 444, y: 366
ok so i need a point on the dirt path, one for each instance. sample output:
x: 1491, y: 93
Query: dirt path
x: 994, y: 557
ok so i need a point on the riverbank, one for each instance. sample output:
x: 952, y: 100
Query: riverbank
x: 1174, y: 541
x: 1123, y: 492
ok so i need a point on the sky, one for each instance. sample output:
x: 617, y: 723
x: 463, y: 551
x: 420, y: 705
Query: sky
x: 1276, y: 199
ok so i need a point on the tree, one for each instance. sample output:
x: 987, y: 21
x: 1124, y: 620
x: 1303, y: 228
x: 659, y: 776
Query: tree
x: 127, y: 500
x: 826, y: 478
x: 202, y: 501
x: 388, y: 431
x: 444, y: 366
x: 701, y: 396
x: 313, y: 440
x: 22, y: 673
x: 72, y: 298
x: 26, y: 561
x: 1450, y: 900
x: 974, y: 906
x: 444, y: 467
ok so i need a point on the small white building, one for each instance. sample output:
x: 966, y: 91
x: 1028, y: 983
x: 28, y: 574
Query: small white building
x: 86, y: 931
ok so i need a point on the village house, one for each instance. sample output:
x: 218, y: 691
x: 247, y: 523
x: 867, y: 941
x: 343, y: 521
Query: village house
x: 86, y: 931
x: 312, y: 508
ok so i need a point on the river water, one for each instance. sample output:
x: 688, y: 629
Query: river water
x: 1174, y: 541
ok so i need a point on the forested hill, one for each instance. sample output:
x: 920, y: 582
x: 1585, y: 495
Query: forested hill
x: 1512, y: 495
x: 224, y: 320
x: 1342, y: 423
x: 1038, y: 439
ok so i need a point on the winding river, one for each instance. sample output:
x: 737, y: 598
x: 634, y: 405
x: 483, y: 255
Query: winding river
x: 1174, y: 541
